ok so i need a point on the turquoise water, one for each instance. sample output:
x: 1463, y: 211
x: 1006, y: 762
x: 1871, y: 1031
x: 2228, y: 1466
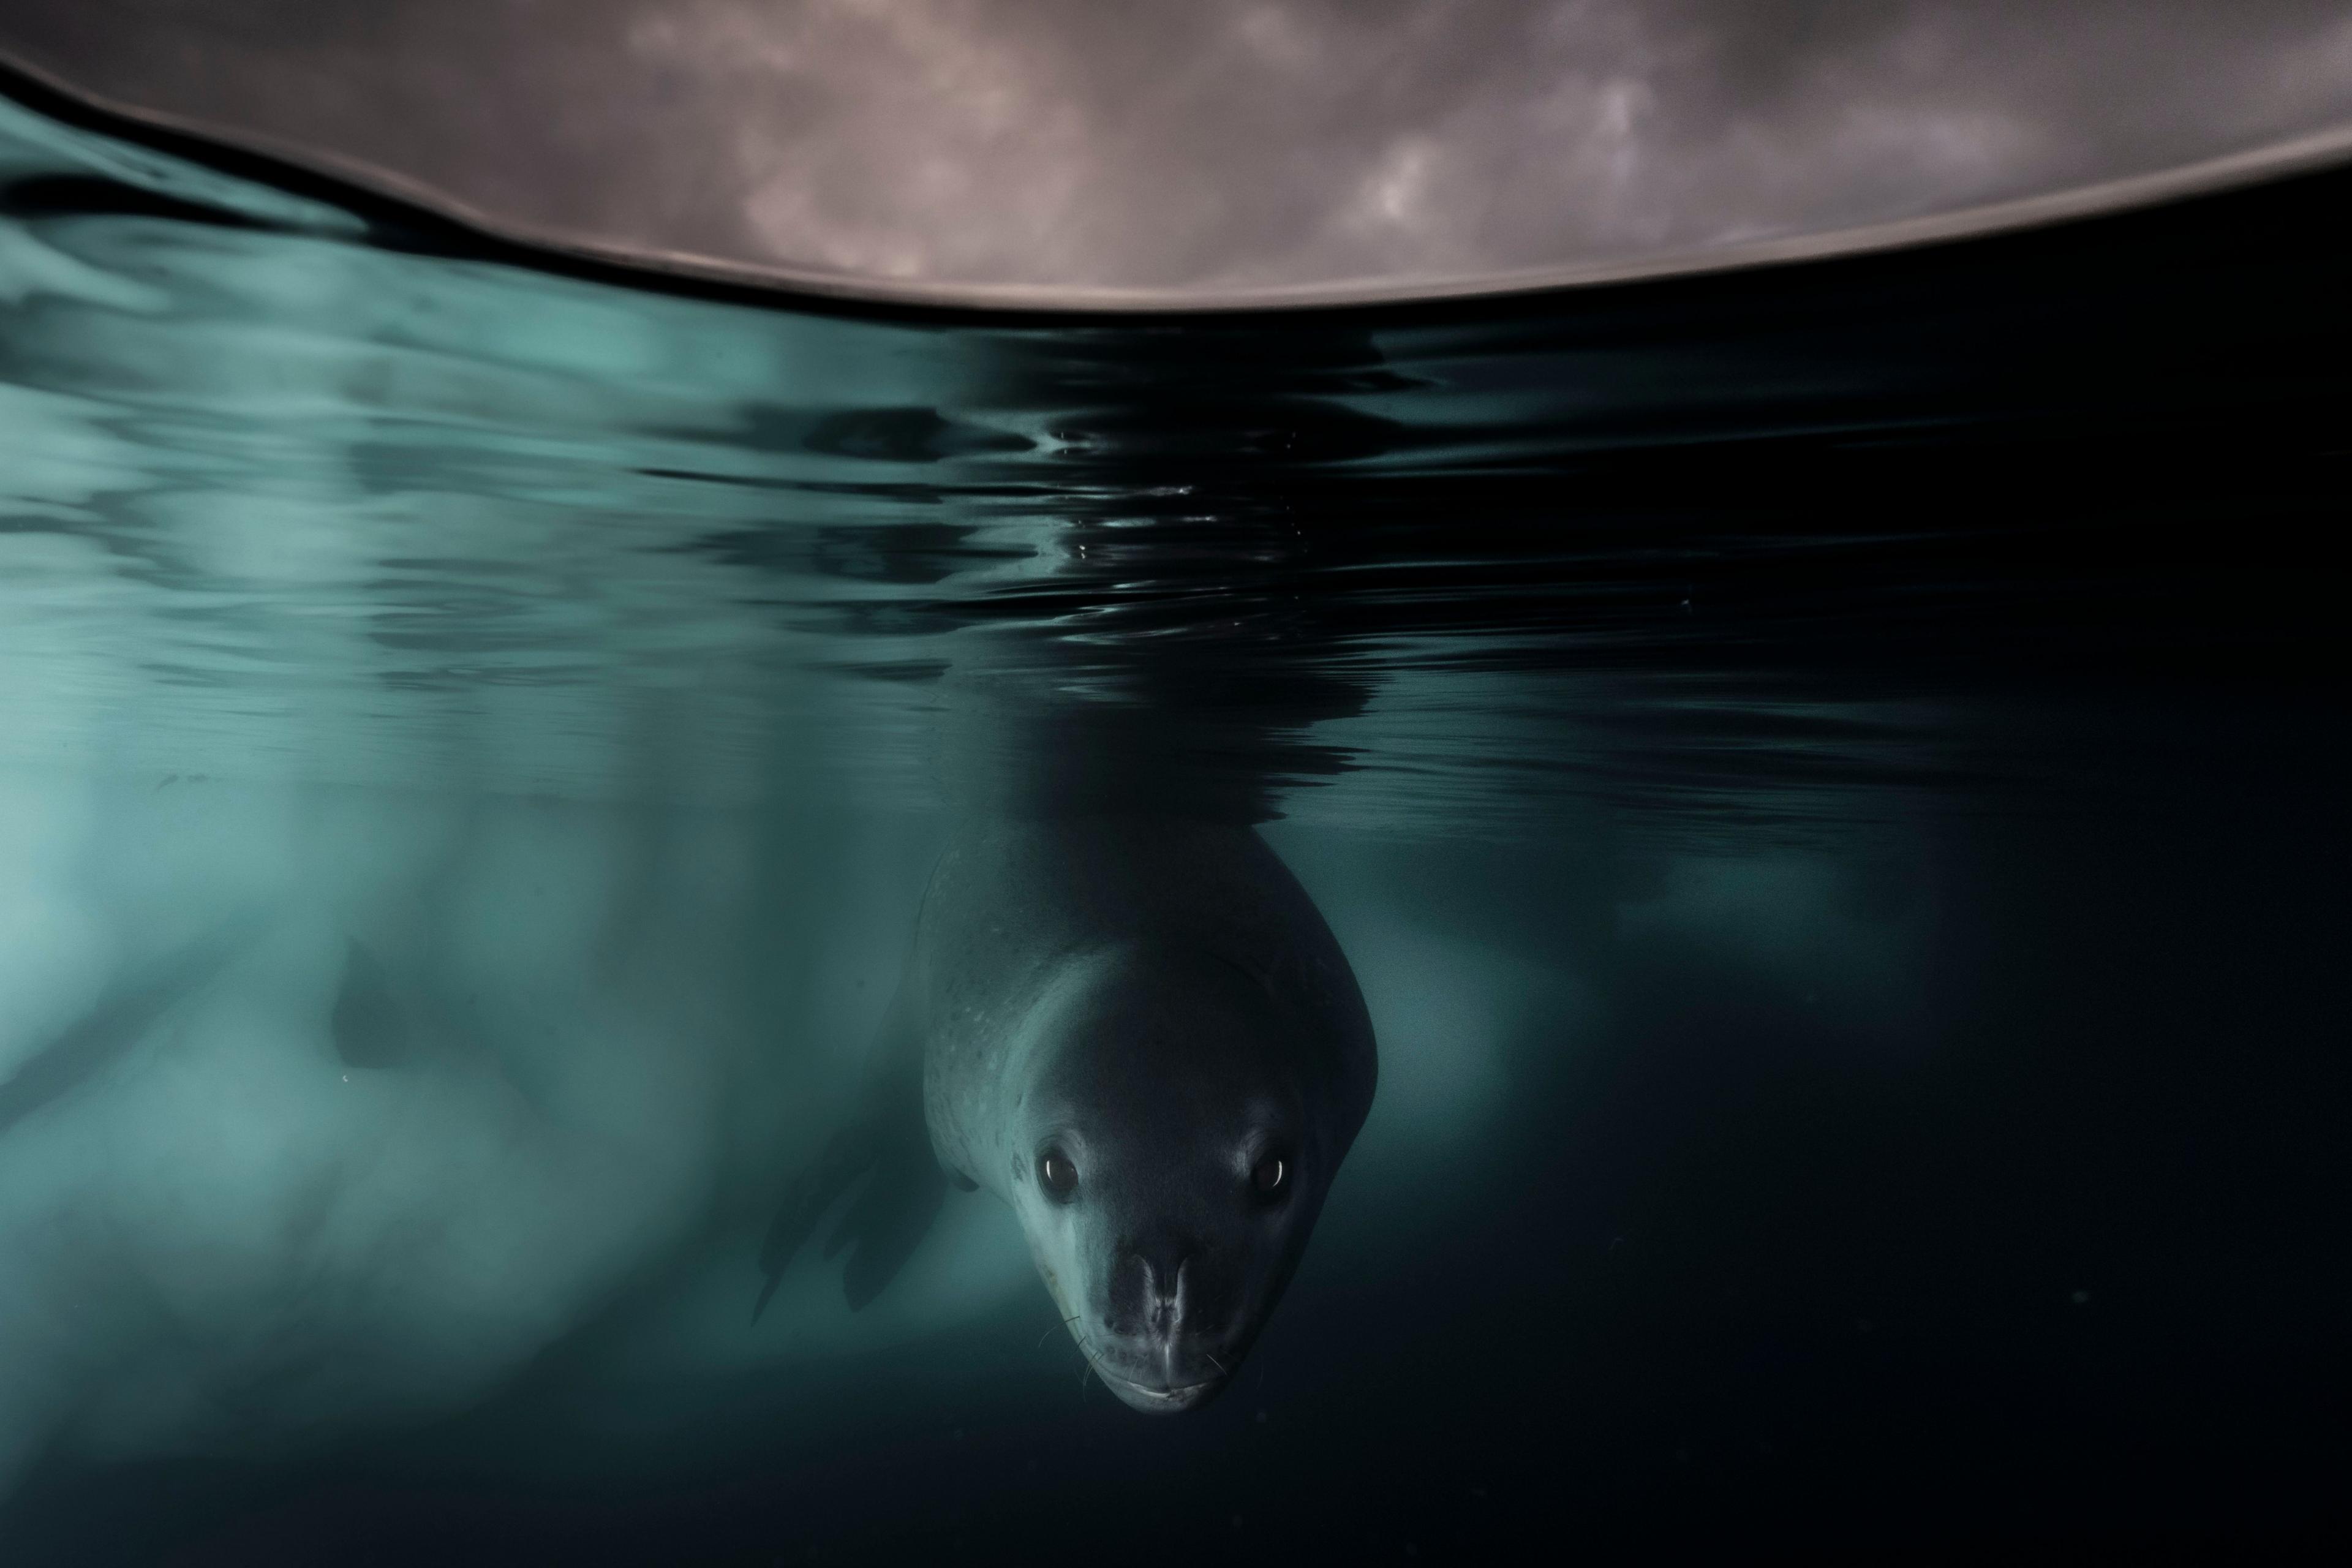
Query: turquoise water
x: 1827, y: 779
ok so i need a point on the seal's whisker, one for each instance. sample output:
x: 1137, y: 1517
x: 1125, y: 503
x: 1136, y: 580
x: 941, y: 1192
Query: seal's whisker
x: 1086, y: 1354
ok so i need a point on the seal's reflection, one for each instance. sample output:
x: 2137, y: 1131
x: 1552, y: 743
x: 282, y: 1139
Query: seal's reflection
x: 1121, y: 1013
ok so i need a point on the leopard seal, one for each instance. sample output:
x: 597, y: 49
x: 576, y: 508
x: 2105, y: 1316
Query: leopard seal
x: 1138, y: 1033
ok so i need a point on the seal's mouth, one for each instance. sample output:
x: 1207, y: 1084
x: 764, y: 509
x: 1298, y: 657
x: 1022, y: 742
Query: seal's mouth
x: 1156, y: 1400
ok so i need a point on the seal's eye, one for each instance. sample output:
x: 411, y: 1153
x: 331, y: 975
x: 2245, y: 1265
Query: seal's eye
x: 1057, y: 1176
x: 1270, y: 1176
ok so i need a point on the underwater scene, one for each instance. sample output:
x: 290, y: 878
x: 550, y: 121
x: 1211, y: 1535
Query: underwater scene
x: 644, y: 924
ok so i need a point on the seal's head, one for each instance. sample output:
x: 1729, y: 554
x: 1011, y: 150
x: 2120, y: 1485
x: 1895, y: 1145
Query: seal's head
x: 1172, y: 1143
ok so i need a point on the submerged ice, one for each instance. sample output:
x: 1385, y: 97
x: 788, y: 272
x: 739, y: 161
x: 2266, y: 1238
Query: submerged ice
x: 331, y: 1108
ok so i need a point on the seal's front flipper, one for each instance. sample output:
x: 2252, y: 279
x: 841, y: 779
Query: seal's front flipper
x: 903, y: 1192
x: 889, y: 1221
x: 885, y: 1145
x: 818, y: 1188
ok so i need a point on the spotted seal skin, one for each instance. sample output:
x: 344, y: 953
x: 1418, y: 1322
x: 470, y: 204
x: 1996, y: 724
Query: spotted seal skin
x: 1138, y: 1033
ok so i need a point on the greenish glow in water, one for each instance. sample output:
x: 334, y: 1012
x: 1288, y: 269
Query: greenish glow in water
x: 1774, y: 750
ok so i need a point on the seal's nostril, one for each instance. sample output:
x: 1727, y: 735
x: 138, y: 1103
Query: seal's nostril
x: 1163, y: 1258
x: 1160, y: 1272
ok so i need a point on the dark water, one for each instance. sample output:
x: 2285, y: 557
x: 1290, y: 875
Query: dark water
x: 1829, y: 779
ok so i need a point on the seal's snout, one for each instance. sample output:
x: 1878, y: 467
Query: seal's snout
x: 1170, y: 1287
x: 1163, y: 1344
x: 1156, y: 1277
